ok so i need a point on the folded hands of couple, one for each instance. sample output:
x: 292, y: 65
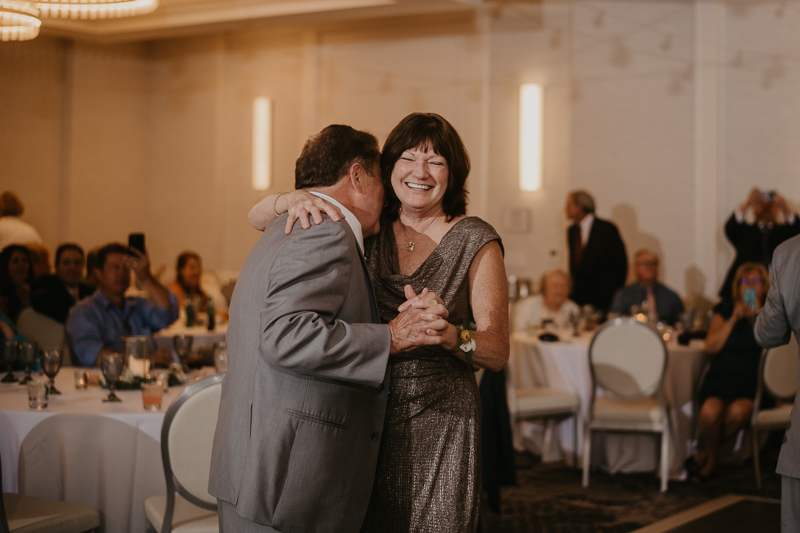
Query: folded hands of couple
x: 422, y: 322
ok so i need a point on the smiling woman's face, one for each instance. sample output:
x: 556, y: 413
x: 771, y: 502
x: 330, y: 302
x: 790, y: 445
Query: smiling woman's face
x: 419, y: 179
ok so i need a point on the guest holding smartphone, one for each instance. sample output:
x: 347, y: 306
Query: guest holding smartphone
x: 729, y: 387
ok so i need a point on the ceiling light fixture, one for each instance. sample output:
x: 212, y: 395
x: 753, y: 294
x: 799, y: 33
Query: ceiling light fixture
x: 95, y: 9
x: 19, y: 20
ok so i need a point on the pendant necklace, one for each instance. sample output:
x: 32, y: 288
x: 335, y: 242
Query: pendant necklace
x: 411, y: 244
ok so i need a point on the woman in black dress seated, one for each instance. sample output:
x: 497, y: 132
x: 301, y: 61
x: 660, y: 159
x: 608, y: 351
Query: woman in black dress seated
x: 729, y: 387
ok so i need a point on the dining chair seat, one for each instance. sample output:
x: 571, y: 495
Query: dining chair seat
x: 28, y: 514
x: 186, y: 517
x: 543, y: 401
x: 645, y: 412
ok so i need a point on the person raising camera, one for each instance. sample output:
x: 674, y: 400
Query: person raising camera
x: 755, y: 242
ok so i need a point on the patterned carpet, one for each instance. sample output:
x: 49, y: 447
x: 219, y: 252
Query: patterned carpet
x: 549, y: 497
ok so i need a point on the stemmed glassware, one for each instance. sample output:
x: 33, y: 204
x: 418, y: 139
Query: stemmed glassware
x: 27, y: 356
x: 112, y: 364
x: 575, y: 321
x: 10, y: 349
x: 183, y: 347
x: 51, y: 364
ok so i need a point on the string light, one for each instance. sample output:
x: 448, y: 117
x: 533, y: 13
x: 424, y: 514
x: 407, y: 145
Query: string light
x: 96, y: 9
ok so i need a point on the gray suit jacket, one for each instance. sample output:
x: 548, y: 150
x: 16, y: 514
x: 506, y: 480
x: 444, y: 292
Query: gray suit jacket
x: 303, y: 401
x: 774, y: 325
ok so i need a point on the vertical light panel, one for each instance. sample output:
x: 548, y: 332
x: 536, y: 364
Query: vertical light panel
x: 530, y: 137
x: 262, y: 143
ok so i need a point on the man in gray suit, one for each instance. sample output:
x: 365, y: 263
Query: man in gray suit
x: 774, y: 326
x: 303, y: 401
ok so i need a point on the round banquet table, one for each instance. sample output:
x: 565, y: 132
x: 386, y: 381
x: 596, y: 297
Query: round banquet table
x: 565, y: 366
x: 81, y: 450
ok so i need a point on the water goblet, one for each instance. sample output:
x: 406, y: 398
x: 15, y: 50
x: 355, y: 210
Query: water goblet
x: 575, y: 320
x: 10, y: 349
x: 112, y: 364
x: 221, y: 357
x: 51, y: 364
x: 27, y: 356
x: 183, y: 346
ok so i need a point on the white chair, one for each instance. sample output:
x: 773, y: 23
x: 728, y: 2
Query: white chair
x: 40, y: 328
x: 778, y: 377
x: 627, y: 360
x: 186, y: 439
x: 28, y: 514
x: 551, y: 405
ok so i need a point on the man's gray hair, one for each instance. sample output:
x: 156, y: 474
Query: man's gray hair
x: 583, y: 200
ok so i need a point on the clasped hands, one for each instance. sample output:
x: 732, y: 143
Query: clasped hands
x: 422, y: 322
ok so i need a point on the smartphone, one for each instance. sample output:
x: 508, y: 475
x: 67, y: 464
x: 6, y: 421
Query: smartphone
x: 749, y: 297
x: 136, y: 240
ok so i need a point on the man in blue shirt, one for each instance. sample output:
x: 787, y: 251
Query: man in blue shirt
x: 97, y: 324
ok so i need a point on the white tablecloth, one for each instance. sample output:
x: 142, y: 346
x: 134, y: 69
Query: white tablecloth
x: 565, y: 366
x: 79, y: 449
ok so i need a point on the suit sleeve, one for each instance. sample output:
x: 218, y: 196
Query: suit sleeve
x: 772, y: 325
x: 310, y: 283
x: 620, y: 259
x: 618, y: 304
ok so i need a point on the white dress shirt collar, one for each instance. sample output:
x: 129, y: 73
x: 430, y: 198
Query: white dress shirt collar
x: 586, y: 226
x: 349, y: 217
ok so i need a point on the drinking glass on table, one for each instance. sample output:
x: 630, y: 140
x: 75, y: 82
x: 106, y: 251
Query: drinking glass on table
x: 575, y: 321
x: 111, y: 364
x: 136, y: 355
x: 37, y: 393
x: 27, y: 356
x: 152, y: 395
x: 183, y: 347
x: 51, y: 364
x: 10, y: 349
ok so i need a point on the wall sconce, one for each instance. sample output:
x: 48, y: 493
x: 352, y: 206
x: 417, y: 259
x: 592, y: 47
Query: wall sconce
x: 262, y: 143
x: 530, y: 136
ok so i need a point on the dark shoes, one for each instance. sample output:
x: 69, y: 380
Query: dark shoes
x: 693, y: 469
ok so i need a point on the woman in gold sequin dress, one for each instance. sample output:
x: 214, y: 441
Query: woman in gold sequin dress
x: 428, y: 474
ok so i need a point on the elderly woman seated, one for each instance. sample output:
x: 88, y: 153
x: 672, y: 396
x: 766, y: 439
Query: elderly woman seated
x: 549, y: 307
x: 729, y: 387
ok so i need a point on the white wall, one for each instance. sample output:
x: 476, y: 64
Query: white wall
x: 155, y: 137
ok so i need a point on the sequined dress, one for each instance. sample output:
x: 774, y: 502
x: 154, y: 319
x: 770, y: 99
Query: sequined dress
x: 428, y: 476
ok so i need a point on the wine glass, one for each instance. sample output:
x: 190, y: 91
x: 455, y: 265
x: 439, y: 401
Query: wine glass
x: 221, y: 357
x: 51, y: 364
x: 183, y: 346
x: 27, y: 356
x: 575, y: 320
x: 111, y: 364
x: 10, y: 349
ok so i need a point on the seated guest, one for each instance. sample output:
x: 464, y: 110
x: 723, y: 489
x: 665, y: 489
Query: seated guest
x: 667, y: 304
x: 14, y: 230
x: 54, y: 295
x: 726, y: 395
x: 40, y: 257
x: 187, y: 283
x: 97, y: 324
x: 551, y: 305
x: 16, y: 276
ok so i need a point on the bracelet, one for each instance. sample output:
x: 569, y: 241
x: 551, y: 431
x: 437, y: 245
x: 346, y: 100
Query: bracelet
x: 465, y: 333
x: 275, y: 205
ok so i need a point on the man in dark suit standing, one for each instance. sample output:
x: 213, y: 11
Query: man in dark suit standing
x: 54, y: 295
x: 304, y: 399
x: 597, y: 259
x: 755, y: 243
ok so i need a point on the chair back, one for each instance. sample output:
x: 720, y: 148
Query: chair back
x: 34, y: 326
x: 186, y: 439
x: 779, y: 370
x: 628, y: 359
